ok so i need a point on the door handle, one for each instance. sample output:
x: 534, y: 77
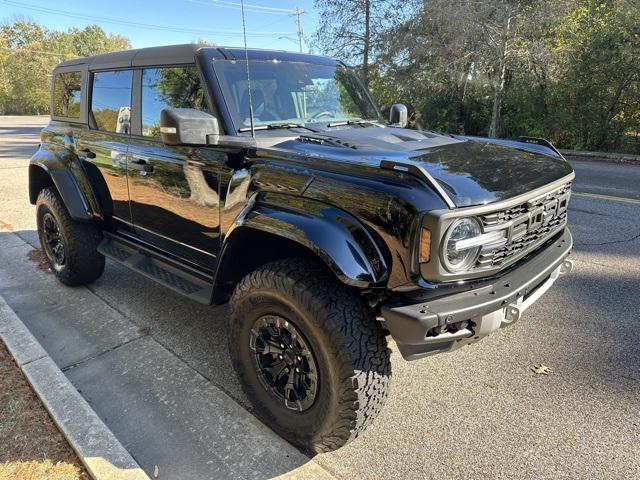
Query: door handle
x: 87, y: 153
x: 142, y: 165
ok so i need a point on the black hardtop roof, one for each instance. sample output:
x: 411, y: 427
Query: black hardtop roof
x: 182, y: 54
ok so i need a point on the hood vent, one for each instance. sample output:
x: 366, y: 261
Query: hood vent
x: 331, y: 141
x: 380, y: 139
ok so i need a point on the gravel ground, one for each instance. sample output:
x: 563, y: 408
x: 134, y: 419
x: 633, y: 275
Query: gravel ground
x: 480, y: 412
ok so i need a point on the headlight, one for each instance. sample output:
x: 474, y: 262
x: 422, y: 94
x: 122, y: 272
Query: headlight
x: 456, y: 258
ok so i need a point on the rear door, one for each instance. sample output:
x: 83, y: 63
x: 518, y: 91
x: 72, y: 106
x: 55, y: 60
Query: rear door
x: 173, y: 190
x: 104, y: 145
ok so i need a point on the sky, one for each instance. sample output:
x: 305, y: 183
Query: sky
x: 270, y: 23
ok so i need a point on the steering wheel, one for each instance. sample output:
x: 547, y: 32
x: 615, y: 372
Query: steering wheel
x: 326, y: 113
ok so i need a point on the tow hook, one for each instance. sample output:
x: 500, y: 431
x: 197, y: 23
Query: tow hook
x: 513, y: 314
x: 453, y: 331
x: 566, y: 267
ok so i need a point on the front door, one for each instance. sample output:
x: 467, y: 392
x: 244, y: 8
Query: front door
x: 104, y: 144
x: 173, y: 190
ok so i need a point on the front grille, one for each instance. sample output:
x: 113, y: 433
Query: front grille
x: 527, y: 226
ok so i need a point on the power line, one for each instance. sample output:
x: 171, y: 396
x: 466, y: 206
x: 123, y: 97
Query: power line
x: 44, y: 52
x: 247, y: 6
x: 165, y: 27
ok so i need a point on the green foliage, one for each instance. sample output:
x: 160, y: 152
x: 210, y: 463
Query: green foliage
x: 176, y: 87
x: 28, y: 54
x: 180, y: 87
x: 566, y: 70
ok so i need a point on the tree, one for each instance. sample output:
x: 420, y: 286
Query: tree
x: 350, y: 29
x: 29, y: 54
x: 599, y: 45
x: 27, y: 89
x: 563, y: 69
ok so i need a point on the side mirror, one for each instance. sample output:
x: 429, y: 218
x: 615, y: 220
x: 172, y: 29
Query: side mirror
x: 398, y: 115
x: 187, y: 126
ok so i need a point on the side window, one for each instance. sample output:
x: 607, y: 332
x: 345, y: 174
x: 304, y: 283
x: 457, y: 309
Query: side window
x: 170, y: 87
x: 66, y: 94
x: 111, y: 101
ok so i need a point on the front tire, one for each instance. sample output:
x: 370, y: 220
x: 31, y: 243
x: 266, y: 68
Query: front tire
x: 309, y: 353
x: 70, y: 247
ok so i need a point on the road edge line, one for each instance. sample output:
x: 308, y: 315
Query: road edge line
x: 104, y: 457
x: 611, y: 198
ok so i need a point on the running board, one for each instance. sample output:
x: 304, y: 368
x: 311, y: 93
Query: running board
x: 180, y: 279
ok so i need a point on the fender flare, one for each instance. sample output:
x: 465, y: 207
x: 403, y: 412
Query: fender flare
x: 65, y: 182
x: 339, y: 239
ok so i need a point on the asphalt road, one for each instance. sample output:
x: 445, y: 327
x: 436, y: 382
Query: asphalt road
x: 476, y: 413
x: 607, y: 179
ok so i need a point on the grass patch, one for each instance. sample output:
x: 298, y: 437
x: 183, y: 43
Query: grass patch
x: 31, y: 446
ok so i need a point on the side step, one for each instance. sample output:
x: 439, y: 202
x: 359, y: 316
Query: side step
x: 179, y: 278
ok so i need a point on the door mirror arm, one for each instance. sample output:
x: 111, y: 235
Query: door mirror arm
x: 231, y: 143
x: 239, y: 160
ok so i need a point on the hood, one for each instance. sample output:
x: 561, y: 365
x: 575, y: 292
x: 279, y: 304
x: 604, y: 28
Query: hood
x: 471, y: 171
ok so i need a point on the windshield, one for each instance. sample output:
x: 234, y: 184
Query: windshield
x: 293, y: 92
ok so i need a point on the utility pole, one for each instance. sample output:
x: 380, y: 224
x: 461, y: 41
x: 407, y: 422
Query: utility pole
x: 297, y: 13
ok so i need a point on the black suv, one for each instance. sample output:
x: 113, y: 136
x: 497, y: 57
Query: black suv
x: 271, y: 181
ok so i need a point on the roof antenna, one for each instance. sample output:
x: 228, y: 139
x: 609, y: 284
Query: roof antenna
x: 246, y: 58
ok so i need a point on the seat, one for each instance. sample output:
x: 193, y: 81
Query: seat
x: 260, y: 112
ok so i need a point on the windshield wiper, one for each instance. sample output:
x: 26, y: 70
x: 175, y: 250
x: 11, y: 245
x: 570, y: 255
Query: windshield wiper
x: 350, y: 122
x: 276, y: 126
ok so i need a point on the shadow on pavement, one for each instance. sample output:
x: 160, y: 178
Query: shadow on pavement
x: 153, y: 365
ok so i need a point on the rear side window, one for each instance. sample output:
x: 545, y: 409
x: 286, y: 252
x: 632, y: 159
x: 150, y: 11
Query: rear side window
x: 111, y: 101
x: 66, y: 94
x: 172, y: 87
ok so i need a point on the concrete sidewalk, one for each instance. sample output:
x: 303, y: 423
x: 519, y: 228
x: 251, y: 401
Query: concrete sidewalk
x: 165, y: 413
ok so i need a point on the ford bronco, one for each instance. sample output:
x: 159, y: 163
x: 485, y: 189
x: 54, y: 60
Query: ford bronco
x: 270, y: 180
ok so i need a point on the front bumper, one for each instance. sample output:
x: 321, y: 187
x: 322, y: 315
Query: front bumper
x: 450, y: 322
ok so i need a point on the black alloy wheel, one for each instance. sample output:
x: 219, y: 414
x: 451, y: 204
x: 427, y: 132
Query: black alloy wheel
x: 284, y: 362
x: 309, y: 353
x: 70, y: 247
x: 53, y: 245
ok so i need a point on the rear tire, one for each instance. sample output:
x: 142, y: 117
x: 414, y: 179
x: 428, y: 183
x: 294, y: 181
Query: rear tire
x: 330, y: 337
x: 70, y: 247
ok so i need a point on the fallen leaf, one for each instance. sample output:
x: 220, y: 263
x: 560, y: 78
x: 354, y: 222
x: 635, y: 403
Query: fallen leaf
x: 5, y: 227
x: 37, y: 256
x: 156, y: 471
x: 541, y: 369
x: 144, y: 331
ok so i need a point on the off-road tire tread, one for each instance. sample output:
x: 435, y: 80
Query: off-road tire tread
x: 358, y: 342
x: 84, y: 264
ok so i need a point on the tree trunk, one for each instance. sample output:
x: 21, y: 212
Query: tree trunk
x: 544, y: 106
x: 367, y: 43
x: 462, y: 116
x: 497, y: 101
x: 605, y: 123
x: 201, y: 193
x: 502, y: 82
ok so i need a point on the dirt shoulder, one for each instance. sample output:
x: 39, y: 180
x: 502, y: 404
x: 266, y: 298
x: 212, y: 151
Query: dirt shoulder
x: 31, y: 447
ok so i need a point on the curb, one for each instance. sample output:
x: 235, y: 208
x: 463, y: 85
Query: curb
x: 99, y: 450
x: 623, y: 158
